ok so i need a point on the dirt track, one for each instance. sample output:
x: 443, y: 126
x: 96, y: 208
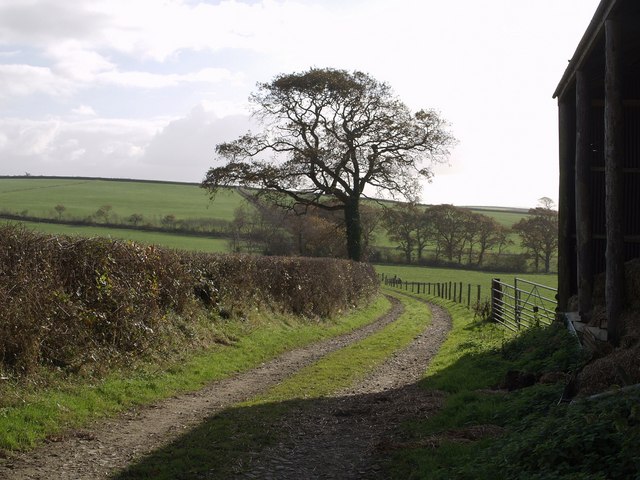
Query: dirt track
x: 351, y: 426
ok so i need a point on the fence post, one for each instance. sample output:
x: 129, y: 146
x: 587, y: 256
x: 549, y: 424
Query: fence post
x: 516, y: 302
x: 449, y: 292
x: 496, y: 299
x: 468, y: 295
x: 460, y: 293
x: 479, y: 289
x: 455, y: 291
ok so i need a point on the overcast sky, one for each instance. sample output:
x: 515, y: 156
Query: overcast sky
x: 147, y: 88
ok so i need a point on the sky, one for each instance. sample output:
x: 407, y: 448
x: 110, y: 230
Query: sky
x: 146, y: 88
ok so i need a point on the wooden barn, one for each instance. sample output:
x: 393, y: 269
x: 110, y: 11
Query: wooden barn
x: 599, y: 204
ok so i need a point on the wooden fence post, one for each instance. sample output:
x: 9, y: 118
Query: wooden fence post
x: 496, y: 299
x: 460, y: 293
x: 516, y: 308
x: 468, y: 295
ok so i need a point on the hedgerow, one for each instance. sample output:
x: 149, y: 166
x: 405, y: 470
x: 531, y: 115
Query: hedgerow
x: 68, y: 302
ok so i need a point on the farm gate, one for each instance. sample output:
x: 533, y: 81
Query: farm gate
x: 523, y: 304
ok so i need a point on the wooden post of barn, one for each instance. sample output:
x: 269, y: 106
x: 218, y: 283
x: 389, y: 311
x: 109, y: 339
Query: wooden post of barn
x: 566, y: 199
x: 583, y: 197
x: 614, y: 155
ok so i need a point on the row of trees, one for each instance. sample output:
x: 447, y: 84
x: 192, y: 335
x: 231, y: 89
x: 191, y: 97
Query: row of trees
x: 105, y: 215
x: 459, y: 235
x: 456, y: 233
x: 440, y: 233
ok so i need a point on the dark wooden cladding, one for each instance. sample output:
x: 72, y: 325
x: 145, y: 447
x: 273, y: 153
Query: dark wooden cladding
x: 614, y: 159
x: 567, y: 281
x: 631, y: 137
x: 583, y: 174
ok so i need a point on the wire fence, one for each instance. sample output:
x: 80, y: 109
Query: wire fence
x: 460, y: 292
x: 523, y: 304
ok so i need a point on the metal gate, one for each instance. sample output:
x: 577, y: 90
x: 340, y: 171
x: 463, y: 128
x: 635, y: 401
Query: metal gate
x: 522, y: 305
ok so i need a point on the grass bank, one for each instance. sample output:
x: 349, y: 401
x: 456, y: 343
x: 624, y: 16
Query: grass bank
x: 29, y: 413
x: 484, y: 433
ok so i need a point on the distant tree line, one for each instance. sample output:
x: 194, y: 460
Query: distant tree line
x: 427, y: 235
x: 439, y: 234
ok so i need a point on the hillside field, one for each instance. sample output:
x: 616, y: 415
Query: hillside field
x: 82, y: 197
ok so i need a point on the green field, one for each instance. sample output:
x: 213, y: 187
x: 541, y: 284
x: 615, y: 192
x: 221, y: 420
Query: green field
x: 39, y: 196
x: 443, y: 275
x: 168, y: 240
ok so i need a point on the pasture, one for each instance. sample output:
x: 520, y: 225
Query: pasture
x: 81, y: 198
x: 442, y: 275
x: 168, y: 240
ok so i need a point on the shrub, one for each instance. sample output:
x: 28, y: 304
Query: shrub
x: 68, y: 302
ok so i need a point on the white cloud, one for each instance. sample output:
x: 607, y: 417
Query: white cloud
x: 188, y: 143
x: 153, y: 80
x: 24, y: 80
x: 86, y: 147
x: 76, y: 62
x: 84, y: 110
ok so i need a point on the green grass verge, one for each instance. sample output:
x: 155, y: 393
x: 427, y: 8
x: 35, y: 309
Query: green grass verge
x: 30, y: 414
x: 541, y: 439
x: 221, y: 447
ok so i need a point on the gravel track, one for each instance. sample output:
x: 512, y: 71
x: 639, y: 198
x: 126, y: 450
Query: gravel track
x: 337, y: 437
x: 342, y: 437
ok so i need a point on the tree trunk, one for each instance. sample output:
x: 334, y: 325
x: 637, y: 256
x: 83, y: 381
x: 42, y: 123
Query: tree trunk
x: 354, y: 229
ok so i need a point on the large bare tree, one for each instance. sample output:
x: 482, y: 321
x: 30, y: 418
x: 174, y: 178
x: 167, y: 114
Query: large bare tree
x: 327, y: 135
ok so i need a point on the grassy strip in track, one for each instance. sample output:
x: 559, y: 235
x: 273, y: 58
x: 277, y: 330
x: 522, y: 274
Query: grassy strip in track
x: 344, y: 367
x: 30, y: 414
x: 221, y: 447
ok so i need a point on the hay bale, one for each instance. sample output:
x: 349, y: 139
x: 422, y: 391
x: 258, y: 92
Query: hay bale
x: 632, y: 283
x: 631, y: 325
x: 618, y: 369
